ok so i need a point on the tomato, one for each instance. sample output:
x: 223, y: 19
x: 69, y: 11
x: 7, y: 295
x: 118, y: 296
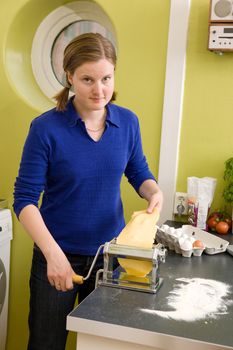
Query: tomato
x: 222, y: 227
x: 212, y: 223
x: 218, y: 216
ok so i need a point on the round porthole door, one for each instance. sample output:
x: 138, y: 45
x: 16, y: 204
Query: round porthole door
x: 2, y: 285
x: 56, y: 31
x: 34, y: 50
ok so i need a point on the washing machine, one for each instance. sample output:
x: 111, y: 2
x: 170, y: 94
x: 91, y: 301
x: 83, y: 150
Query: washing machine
x: 5, y: 241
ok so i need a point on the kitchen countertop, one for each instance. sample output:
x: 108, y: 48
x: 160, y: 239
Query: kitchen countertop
x: 118, y: 313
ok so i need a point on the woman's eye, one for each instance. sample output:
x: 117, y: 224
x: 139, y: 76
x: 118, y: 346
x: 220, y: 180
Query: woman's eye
x: 106, y: 79
x: 87, y: 80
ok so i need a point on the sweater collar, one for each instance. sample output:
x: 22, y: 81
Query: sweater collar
x: 73, y: 117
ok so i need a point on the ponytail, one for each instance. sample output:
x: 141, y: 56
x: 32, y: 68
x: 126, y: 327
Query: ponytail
x: 62, y: 98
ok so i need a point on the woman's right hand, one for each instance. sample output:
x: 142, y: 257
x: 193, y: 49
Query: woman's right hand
x: 59, y: 270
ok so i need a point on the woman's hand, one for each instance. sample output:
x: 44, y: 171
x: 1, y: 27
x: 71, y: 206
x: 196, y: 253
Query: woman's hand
x: 155, y: 201
x: 150, y: 190
x: 59, y: 270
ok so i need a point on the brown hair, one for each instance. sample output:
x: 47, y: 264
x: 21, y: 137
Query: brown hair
x: 89, y: 47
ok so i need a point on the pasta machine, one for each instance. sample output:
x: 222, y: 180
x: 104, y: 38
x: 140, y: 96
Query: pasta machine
x: 119, y: 277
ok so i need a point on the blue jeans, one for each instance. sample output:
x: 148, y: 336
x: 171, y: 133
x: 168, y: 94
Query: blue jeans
x: 49, y: 307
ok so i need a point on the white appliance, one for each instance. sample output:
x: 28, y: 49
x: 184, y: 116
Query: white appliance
x: 5, y: 238
x: 221, y: 37
x: 221, y: 11
x: 221, y: 26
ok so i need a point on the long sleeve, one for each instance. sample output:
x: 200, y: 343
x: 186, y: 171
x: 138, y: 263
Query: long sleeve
x: 32, y: 172
x: 137, y: 170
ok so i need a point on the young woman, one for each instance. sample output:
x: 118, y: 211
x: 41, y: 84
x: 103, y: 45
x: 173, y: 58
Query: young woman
x: 76, y: 155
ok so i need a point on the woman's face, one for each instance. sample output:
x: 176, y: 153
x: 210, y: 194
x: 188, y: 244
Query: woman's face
x: 93, y: 85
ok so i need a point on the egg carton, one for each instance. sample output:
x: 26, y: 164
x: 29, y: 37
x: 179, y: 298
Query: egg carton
x: 182, y: 240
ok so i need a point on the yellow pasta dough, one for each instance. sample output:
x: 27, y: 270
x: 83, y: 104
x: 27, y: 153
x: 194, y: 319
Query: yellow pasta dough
x: 139, y: 232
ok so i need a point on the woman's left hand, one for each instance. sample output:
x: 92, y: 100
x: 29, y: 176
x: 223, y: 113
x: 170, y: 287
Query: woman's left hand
x: 150, y: 190
x: 155, y: 201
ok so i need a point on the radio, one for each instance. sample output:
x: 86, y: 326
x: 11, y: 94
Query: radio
x: 221, y: 11
x: 220, y: 37
x: 221, y: 26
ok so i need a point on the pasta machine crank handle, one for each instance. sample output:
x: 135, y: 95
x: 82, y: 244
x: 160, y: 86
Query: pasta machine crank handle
x: 80, y: 279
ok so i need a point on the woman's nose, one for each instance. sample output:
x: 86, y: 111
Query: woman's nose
x: 97, y: 87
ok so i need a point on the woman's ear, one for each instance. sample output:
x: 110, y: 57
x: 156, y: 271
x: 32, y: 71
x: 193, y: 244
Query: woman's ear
x: 69, y: 78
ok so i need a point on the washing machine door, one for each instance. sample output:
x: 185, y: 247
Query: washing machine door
x: 2, y: 285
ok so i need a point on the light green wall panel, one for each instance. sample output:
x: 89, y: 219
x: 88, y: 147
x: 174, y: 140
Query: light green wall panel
x: 142, y: 30
x: 206, y: 134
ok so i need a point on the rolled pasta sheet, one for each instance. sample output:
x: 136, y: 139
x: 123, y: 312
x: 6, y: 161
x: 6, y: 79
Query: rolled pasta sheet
x: 139, y: 232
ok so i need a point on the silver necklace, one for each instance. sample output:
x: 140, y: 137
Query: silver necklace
x: 96, y: 130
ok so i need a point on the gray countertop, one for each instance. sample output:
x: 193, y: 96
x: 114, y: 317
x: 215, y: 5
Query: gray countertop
x: 124, y: 308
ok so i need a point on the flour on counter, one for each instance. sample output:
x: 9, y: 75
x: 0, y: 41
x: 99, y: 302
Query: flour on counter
x: 194, y: 299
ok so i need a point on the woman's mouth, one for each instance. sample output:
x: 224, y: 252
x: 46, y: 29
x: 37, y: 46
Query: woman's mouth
x: 97, y: 99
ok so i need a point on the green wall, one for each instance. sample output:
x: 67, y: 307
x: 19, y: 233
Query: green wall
x: 207, y: 125
x: 142, y: 30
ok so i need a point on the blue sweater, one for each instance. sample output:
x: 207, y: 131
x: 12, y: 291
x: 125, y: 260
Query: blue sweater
x: 79, y: 177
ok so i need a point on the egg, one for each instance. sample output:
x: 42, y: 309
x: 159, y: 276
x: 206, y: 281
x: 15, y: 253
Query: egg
x: 171, y: 230
x: 178, y: 232
x: 198, y: 244
x: 186, y: 245
x: 184, y: 235
x: 181, y: 240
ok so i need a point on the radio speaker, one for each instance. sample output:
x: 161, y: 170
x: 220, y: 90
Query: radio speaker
x: 221, y: 11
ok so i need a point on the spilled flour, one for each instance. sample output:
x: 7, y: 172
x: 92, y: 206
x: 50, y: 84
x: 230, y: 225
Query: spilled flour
x: 194, y: 299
